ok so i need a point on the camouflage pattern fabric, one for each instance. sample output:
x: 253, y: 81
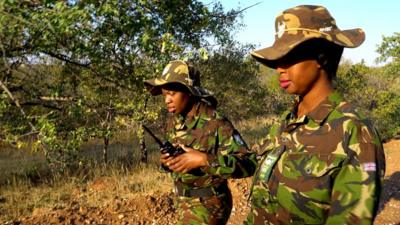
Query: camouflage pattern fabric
x: 301, y: 23
x: 213, y: 210
x: 330, y: 172
x: 229, y: 157
x: 180, y: 72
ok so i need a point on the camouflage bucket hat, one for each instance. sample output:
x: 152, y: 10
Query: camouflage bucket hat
x: 301, y: 23
x: 180, y: 72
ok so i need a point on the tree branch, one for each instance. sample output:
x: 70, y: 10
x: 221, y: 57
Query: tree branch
x: 41, y: 104
x: 16, y: 102
x: 235, y: 13
x: 66, y: 59
x: 58, y: 99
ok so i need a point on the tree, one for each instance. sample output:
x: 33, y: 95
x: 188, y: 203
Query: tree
x: 74, y: 70
x: 389, y: 48
x: 388, y: 106
x: 372, y: 93
x: 233, y: 78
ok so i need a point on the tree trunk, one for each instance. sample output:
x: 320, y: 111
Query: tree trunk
x: 142, y: 142
x: 143, y: 149
x: 105, y: 150
x: 106, y: 138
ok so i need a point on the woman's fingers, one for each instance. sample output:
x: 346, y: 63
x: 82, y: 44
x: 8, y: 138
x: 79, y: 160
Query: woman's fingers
x: 180, y: 164
x: 180, y: 168
x: 176, y: 162
x: 184, y: 162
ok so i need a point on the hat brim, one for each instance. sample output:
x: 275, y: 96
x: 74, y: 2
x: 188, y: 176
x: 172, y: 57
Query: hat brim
x: 268, y: 56
x: 154, y: 85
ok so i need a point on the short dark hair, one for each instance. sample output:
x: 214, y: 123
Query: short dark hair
x: 325, y: 52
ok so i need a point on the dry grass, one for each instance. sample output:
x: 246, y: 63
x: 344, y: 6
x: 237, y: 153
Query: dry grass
x: 255, y: 128
x: 105, y: 184
x: 95, y: 184
x: 22, y: 200
x: 17, y: 164
x: 91, y: 185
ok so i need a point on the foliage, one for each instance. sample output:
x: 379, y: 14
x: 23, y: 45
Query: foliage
x: 243, y: 88
x: 390, y: 98
x: 74, y: 70
x: 233, y: 77
x: 71, y: 71
x: 387, y: 114
x: 373, y: 94
x: 390, y: 48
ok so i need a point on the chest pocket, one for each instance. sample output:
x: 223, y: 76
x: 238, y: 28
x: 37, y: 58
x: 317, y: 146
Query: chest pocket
x: 199, y: 139
x: 309, y: 166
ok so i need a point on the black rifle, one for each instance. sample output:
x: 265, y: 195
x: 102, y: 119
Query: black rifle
x: 166, y: 146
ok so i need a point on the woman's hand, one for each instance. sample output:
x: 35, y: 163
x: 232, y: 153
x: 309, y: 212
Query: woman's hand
x: 165, y: 157
x: 185, y: 162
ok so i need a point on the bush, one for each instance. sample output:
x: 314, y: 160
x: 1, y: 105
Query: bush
x: 372, y: 91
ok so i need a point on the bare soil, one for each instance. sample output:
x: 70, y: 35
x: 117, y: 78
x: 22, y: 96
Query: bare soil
x: 389, y: 210
x: 158, y: 207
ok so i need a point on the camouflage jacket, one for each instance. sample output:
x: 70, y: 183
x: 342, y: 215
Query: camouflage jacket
x: 207, y: 131
x: 329, y: 170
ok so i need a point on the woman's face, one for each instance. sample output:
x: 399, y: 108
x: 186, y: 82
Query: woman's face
x: 177, y: 102
x: 298, y: 77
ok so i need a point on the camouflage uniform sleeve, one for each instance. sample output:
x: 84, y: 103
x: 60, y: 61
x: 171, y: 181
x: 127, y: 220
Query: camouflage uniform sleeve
x: 356, y: 188
x: 267, y: 143
x: 230, y: 156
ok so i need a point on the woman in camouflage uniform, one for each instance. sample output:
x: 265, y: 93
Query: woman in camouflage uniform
x: 214, y: 150
x: 323, y: 164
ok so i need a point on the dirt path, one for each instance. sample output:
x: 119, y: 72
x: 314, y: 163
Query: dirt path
x: 390, y: 200
x: 157, y: 208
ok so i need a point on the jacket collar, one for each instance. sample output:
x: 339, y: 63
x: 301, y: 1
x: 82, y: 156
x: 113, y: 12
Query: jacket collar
x: 319, y: 114
x: 189, y: 122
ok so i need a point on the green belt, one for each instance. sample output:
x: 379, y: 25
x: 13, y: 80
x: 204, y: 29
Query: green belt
x: 200, y: 192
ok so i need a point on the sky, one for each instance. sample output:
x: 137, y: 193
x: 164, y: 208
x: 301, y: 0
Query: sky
x: 377, y: 18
